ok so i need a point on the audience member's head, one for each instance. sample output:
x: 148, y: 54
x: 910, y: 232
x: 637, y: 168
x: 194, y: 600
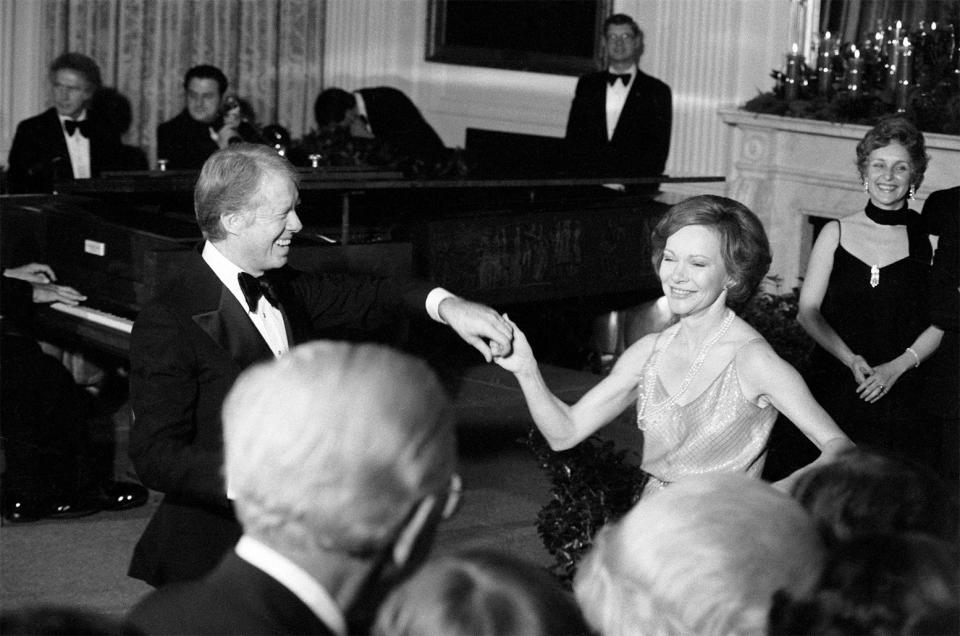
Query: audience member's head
x: 53, y: 620
x: 333, y: 108
x: 878, y: 584
x: 205, y: 86
x: 339, y: 451
x: 743, y: 241
x: 75, y: 78
x: 230, y: 183
x: 702, y: 556
x: 864, y: 491
x: 479, y: 593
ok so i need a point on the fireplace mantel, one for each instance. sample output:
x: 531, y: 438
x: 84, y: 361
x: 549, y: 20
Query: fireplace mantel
x: 788, y: 169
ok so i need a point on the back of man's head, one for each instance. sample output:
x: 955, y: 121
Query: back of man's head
x: 331, y: 446
x: 332, y: 105
x: 702, y: 556
x: 866, y: 491
x: 229, y: 181
x: 81, y: 64
x: 206, y: 71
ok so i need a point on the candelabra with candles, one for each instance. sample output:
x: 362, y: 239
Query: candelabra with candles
x: 892, y: 69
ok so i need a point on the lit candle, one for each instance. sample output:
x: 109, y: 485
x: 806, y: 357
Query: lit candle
x: 893, y: 58
x: 825, y: 66
x: 792, y: 82
x: 904, y: 76
x: 854, y: 72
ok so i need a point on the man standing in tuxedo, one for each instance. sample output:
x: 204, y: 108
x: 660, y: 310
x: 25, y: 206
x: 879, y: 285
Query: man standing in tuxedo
x: 236, y: 303
x: 187, y: 140
x: 340, y: 459
x: 383, y: 113
x: 619, y: 123
x: 64, y: 142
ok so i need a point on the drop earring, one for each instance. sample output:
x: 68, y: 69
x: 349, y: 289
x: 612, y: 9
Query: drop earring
x: 866, y: 186
x: 913, y: 191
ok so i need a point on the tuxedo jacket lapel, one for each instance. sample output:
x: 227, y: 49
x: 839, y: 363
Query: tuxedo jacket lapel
x: 53, y: 131
x: 221, y: 316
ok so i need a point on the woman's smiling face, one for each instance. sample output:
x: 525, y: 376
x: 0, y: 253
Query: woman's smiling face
x: 692, y: 270
x: 888, y: 175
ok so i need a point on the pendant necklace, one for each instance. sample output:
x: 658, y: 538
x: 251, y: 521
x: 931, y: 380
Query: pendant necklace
x: 651, y: 375
x: 875, y: 275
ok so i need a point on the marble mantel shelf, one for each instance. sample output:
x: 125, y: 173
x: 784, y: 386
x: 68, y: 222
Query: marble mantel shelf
x: 787, y: 169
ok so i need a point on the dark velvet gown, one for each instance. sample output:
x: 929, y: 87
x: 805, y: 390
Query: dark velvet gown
x: 878, y: 323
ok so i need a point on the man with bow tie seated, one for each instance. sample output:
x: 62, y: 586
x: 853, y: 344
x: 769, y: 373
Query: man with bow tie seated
x: 619, y: 123
x: 235, y: 303
x: 67, y: 141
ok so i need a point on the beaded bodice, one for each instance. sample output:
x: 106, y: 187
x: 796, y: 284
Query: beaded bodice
x: 718, y: 431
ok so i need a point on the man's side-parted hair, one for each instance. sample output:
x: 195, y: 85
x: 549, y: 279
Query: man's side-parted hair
x: 330, y: 446
x: 81, y: 64
x: 622, y: 18
x: 702, y: 556
x: 206, y: 71
x: 743, y: 241
x: 230, y: 181
x: 332, y: 105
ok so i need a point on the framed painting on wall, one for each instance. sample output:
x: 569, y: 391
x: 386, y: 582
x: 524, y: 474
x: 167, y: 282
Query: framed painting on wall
x: 543, y: 36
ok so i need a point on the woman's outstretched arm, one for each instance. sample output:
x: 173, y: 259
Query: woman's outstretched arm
x: 564, y: 425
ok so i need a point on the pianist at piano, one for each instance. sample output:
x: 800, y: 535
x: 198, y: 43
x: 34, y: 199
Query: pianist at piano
x: 190, y: 342
x: 43, y: 413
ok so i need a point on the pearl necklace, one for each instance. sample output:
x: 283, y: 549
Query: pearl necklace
x: 692, y: 372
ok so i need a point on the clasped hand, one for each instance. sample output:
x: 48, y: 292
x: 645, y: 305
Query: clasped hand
x: 873, y: 382
x: 480, y: 326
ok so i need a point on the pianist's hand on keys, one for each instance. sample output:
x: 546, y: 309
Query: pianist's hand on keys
x: 45, y: 290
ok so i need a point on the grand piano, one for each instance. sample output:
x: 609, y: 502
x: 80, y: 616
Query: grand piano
x: 522, y: 244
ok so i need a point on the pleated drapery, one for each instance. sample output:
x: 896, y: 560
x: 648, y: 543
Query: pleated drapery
x: 270, y: 50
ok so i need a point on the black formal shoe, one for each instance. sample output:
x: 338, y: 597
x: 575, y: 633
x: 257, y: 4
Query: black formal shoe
x: 70, y: 508
x: 25, y: 509
x: 123, y: 495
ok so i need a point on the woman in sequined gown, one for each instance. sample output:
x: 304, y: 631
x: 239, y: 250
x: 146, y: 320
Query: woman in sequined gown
x: 708, y: 388
x: 864, y: 301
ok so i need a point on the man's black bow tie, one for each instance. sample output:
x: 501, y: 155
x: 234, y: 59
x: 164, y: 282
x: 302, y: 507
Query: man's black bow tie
x: 254, y: 287
x: 70, y: 125
x: 613, y: 77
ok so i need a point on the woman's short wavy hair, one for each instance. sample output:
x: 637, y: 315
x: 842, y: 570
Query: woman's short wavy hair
x: 743, y: 241
x: 895, y: 130
x: 702, y: 556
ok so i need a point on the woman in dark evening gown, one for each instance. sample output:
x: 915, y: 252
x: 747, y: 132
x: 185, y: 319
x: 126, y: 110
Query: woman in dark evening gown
x: 864, y: 301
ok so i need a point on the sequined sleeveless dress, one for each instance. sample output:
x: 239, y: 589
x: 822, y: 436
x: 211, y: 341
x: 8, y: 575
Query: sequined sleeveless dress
x: 878, y: 323
x: 719, y: 431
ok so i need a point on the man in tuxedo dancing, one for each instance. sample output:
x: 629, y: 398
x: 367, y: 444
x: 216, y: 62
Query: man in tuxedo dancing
x: 233, y: 304
x: 619, y: 123
x: 64, y: 142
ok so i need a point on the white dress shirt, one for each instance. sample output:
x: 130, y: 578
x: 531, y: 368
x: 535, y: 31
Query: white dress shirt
x: 267, y: 319
x: 79, y: 148
x: 294, y: 578
x: 616, y: 98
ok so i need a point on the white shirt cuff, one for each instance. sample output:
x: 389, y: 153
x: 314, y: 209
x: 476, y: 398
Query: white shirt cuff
x: 436, y: 296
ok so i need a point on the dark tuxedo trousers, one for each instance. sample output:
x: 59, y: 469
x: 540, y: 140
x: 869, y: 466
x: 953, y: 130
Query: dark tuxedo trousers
x: 187, y: 348
x: 235, y: 598
x: 640, y: 142
x: 39, y: 157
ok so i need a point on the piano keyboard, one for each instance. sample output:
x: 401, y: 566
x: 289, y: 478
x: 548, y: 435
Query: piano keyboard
x: 95, y: 315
